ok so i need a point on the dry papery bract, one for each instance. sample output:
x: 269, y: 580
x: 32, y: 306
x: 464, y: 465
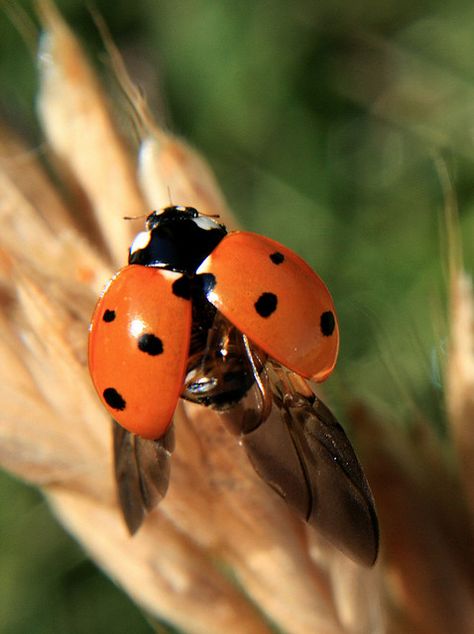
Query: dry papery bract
x: 222, y: 553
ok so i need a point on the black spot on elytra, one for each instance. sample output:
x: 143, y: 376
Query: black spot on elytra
x: 109, y: 315
x: 207, y: 281
x: 150, y: 344
x: 277, y: 257
x: 114, y: 399
x: 327, y: 323
x: 182, y: 287
x: 266, y: 304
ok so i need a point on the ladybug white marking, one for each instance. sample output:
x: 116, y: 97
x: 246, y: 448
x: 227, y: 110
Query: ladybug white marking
x: 205, y: 223
x: 141, y: 241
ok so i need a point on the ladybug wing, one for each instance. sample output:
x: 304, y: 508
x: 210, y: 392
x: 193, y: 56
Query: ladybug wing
x: 303, y: 454
x: 139, y: 345
x: 142, y: 469
x: 292, y: 440
x: 270, y: 294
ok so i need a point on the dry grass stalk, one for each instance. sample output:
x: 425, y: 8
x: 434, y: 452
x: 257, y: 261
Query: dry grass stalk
x: 217, y: 517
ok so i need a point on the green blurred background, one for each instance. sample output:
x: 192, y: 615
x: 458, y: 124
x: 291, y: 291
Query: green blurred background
x: 325, y: 122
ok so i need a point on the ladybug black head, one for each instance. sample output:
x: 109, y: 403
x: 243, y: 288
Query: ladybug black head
x: 177, y: 238
x: 170, y: 214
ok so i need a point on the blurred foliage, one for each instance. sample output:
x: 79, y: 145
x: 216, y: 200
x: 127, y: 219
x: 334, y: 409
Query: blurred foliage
x: 323, y: 121
x: 48, y: 585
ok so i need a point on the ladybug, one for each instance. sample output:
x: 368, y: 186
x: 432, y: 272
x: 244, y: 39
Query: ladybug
x: 237, y: 322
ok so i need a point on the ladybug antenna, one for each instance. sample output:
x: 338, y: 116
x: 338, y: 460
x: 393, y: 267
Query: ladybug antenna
x: 210, y: 215
x: 135, y: 217
x: 170, y: 198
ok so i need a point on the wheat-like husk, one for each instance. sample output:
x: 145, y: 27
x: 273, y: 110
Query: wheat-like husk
x: 222, y: 553
x: 460, y: 377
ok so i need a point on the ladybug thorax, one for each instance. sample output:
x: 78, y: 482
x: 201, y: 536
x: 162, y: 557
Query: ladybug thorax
x: 178, y: 239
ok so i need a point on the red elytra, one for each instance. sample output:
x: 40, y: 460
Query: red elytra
x: 271, y: 294
x: 138, y: 347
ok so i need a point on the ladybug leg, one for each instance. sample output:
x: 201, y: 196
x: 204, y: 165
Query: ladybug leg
x: 260, y: 376
x: 221, y: 372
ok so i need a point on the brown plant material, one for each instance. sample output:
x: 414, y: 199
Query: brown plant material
x: 221, y: 538
x: 427, y: 540
x: 460, y: 378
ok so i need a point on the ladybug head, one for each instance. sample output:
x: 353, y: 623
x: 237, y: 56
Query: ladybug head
x: 173, y: 213
x: 177, y: 238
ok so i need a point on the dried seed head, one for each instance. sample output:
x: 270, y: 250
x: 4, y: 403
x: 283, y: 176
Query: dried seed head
x: 54, y: 432
x: 217, y: 516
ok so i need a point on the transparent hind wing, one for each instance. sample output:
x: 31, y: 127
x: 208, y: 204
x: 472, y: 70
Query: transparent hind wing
x: 303, y: 453
x: 142, y: 470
